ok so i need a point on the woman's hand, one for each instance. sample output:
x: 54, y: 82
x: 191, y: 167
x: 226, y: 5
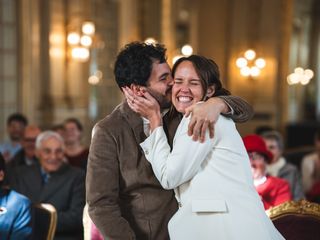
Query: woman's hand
x: 144, y: 104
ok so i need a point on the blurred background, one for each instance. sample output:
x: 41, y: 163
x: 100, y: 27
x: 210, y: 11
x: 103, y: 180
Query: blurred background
x: 57, y: 56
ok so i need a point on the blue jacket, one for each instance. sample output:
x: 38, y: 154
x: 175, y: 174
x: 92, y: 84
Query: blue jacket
x: 15, y: 216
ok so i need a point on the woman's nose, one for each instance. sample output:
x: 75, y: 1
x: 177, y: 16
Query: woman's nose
x: 184, y: 88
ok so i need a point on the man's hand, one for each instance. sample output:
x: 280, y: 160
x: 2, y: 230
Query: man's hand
x: 204, y: 116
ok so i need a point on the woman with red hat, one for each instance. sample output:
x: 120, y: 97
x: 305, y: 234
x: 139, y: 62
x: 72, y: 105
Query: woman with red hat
x: 272, y: 190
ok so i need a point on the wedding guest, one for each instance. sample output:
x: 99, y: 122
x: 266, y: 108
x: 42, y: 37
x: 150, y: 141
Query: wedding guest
x: 16, y: 123
x: 272, y: 190
x: 15, y: 211
x: 279, y: 167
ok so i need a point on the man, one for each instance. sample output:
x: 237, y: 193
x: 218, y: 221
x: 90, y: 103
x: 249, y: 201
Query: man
x: 125, y: 199
x: 52, y: 181
x: 15, y: 212
x: 15, y: 127
x: 279, y: 167
x: 272, y: 190
x: 26, y: 155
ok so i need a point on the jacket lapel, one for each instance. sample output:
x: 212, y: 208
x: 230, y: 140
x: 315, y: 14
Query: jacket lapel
x: 55, y: 183
x: 31, y: 182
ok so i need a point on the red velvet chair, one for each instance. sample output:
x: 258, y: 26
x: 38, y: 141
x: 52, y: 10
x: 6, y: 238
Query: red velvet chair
x: 297, y: 220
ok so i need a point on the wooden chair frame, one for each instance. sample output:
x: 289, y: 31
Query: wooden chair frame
x: 53, y: 218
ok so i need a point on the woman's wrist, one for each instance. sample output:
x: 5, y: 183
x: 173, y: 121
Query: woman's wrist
x: 155, y: 121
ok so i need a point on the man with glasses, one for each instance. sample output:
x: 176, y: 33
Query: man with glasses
x: 26, y: 156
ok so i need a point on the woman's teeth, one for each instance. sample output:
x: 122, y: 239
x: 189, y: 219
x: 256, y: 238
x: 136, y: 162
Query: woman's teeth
x: 184, y: 99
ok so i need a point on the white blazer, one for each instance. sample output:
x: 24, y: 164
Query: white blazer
x: 213, y: 185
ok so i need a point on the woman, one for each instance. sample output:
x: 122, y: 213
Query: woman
x: 212, y: 180
x: 15, y: 211
x: 75, y: 152
x: 272, y: 190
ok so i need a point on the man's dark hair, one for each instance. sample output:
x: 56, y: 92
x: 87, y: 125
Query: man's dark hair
x: 134, y: 63
x: 17, y: 117
x: 75, y: 121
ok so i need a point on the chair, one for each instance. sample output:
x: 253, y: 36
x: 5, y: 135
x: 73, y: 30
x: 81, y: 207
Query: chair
x: 297, y: 220
x: 44, y: 221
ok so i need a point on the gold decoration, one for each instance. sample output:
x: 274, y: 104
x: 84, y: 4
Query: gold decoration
x: 302, y: 207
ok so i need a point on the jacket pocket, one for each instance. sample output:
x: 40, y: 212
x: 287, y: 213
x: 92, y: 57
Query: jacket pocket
x: 209, y: 205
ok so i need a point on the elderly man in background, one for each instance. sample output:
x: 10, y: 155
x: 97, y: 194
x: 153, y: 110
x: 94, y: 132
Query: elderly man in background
x: 279, y: 167
x: 55, y: 182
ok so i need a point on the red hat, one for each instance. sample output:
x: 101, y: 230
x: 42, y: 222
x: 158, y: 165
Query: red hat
x: 255, y: 143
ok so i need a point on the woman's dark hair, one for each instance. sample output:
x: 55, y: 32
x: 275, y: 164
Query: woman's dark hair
x: 134, y: 63
x: 208, y: 72
x: 75, y: 121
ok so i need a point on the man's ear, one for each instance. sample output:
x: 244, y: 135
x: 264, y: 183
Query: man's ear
x: 210, y: 91
x: 137, y: 89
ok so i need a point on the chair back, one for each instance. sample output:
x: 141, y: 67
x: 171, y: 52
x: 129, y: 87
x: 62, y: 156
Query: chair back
x: 44, y: 221
x: 297, y: 220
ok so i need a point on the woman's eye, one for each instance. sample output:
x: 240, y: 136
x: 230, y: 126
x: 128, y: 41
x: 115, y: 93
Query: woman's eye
x: 195, y: 83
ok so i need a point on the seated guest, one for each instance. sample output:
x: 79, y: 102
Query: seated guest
x: 55, y: 182
x: 310, y: 166
x: 279, y: 167
x: 26, y: 156
x: 75, y: 152
x: 272, y: 190
x: 15, y: 127
x: 15, y: 212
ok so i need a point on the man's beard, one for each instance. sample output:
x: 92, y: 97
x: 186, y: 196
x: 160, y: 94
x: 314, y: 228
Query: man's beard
x: 163, y: 100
